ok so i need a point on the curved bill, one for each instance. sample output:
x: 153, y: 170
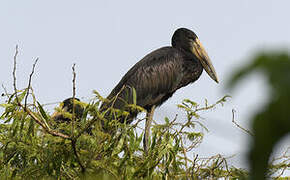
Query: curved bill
x: 199, y: 51
x: 58, y: 115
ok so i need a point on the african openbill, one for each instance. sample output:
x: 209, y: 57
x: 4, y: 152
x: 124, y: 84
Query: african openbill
x: 160, y: 73
x: 67, y: 106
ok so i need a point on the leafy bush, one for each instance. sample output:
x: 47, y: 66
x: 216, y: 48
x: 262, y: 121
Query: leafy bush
x: 30, y: 151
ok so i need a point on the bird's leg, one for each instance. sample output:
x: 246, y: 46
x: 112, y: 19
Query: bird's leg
x: 149, y: 118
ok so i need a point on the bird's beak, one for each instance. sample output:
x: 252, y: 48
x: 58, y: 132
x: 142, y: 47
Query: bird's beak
x: 57, y: 114
x: 199, y: 51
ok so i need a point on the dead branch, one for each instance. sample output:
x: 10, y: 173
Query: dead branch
x: 244, y: 129
x: 14, y: 74
x: 74, y: 94
x: 5, y: 91
x: 27, y: 110
x: 73, y: 140
x: 73, y: 143
x: 29, y: 82
x: 45, y: 128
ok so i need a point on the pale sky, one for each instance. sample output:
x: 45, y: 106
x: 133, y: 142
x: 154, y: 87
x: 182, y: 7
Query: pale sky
x: 106, y: 38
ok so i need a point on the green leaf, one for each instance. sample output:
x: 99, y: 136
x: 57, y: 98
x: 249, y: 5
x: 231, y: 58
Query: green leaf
x: 31, y: 127
x: 21, y: 96
x: 119, y: 146
x: 42, y: 112
x: 194, y: 104
x: 6, y: 105
x: 134, y: 96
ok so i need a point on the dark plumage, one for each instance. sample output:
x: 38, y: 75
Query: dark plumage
x: 67, y: 106
x: 159, y: 74
x: 155, y: 78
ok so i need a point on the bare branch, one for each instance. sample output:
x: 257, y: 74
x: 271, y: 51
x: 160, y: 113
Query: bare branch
x: 29, y: 82
x: 193, y: 165
x: 185, y: 156
x: 137, y: 123
x: 74, y: 94
x: 51, y: 103
x: 14, y: 74
x: 73, y: 143
x: 244, y: 129
x: 27, y: 110
x: 5, y: 91
x: 45, y: 128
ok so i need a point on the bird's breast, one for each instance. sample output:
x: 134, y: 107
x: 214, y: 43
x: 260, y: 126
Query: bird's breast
x: 191, y: 71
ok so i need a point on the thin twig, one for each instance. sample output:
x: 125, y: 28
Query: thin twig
x: 74, y: 94
x: 14, y: 74
x: 52, y: 103
x: 29, y: 82
x: 193, y: 166
x: 245, y: 130
x: 221, y: 101
x: 73, y: 143
x: 38, y: 121
x: 185, y: 156
x: 195, y: 161
x: 137, y: 123
x: 27, y: 110
x: 116, y: 97
x: 5, y: 90
x: 284, y: 159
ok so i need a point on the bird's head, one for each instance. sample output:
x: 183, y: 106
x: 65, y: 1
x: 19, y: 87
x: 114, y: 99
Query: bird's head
x: 67, y: 106
x: 187, y: 40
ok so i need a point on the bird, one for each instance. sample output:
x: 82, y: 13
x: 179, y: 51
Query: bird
x: 158, y: 75
x: 67, y: 106
x: 155, y: 78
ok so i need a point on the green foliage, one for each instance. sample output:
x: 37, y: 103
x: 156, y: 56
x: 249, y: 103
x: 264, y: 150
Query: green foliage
x: 34, y: 146
x: 273, y: 122
x: 28, y: 150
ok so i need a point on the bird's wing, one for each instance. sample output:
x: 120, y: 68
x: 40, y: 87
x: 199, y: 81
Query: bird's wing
x: 154, y: 78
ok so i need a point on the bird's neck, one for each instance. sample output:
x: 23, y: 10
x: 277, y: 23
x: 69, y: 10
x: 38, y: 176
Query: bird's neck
x: 187, y: 53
